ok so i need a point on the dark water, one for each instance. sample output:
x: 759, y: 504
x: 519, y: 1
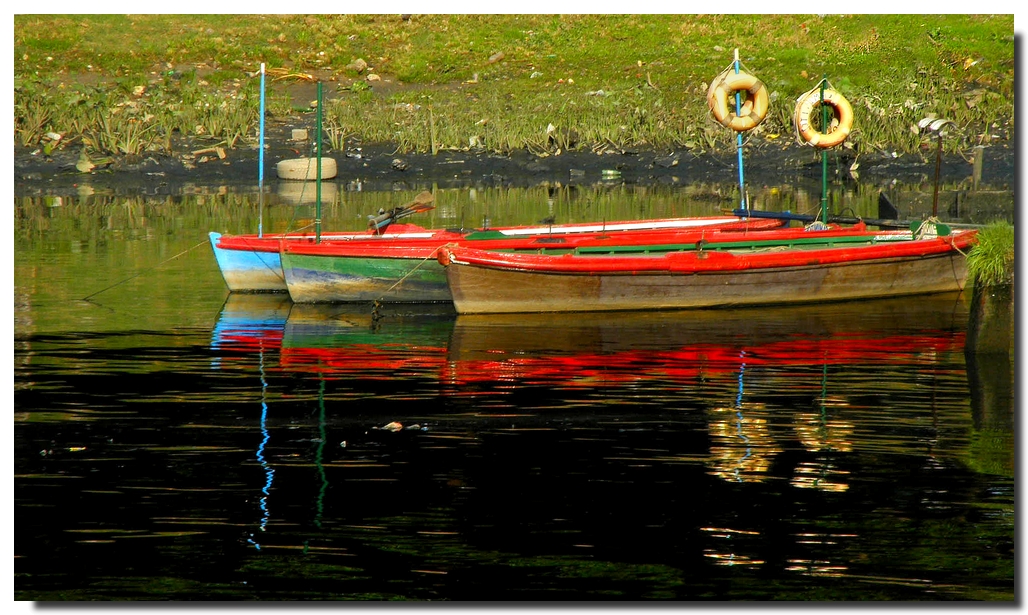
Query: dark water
x: 174, y: 442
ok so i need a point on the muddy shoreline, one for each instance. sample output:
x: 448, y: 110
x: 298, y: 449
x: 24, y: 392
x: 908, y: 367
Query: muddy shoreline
x: 378, y: 167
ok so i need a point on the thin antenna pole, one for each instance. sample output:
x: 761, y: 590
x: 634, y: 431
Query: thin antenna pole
x: 260, y: 165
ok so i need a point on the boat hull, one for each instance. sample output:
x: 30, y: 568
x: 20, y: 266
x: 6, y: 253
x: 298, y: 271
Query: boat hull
x: 249, y: 270
x: 402, y: 278
x: 680, y: 280
x: 407, y: 271
x: 251, y: 263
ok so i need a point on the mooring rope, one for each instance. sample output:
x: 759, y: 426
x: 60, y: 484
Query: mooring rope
x: 277, y: 270
x: 957, y: 248
x: 927, y: 228
x: 376, y: 314
x: 406, y: 275
x: 88, y: 297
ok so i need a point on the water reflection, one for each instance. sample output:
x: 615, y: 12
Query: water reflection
x: 750, y: 365
x: 818, y: 398
x: 162, y: 432
x: 302, y: 451
x: 269, y: 472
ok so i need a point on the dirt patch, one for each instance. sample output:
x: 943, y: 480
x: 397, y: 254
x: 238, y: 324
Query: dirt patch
x: 379, y: 167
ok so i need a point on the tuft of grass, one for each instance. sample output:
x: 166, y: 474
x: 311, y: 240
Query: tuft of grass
x: 32, y: 116
x: 991, y: 260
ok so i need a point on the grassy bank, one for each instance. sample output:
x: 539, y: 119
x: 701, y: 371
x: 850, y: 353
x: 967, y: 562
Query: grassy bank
x: 131, y: 84
x: 991, y: 260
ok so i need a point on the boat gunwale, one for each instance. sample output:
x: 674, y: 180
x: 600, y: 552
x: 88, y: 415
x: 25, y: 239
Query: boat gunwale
x: 426, y: 247
x: 705, y: 261
x: 407, y: 232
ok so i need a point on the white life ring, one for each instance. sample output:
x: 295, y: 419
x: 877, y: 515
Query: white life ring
x: 840, y: 127
x: 722, y: 103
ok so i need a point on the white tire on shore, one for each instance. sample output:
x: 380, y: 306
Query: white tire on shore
x: 306, y: 169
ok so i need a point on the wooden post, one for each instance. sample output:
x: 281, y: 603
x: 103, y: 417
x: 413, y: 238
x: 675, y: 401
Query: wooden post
x: 979, y: 153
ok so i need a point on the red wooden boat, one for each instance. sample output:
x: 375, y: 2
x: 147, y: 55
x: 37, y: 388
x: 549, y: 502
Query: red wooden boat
x: 406, y: 271
x: 722, y: 270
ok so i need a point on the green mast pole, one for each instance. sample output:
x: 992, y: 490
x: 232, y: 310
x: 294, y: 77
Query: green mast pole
x: 824, y: 154
x: 317, y: 145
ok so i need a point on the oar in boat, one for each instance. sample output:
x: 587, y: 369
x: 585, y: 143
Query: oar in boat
x: 421, y: 203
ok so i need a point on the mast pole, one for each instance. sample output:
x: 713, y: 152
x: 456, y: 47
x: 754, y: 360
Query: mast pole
x: 317, y: 145
x: 260, y: 164
x: 824, y: 154
x: 738, y: 141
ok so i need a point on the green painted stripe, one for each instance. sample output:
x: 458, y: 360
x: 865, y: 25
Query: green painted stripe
x: 479, y: 235
x: 368, y: 267
x: 805, y: 242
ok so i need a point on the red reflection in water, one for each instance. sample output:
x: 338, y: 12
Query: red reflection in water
x: 575, y: 353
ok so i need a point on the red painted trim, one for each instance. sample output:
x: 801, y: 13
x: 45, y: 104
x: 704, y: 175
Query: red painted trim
x: 307, y: 242
x: 710, y: 261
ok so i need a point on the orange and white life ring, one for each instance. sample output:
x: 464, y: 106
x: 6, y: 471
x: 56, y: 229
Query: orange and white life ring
x: 840, y: 127
x: 722, y: 102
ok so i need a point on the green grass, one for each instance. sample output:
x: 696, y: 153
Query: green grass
x: 654, y: 69
x: 991, y: 260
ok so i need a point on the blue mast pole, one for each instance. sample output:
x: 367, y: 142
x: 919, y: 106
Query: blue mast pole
x: 260, y: 164
x: 738, y: 141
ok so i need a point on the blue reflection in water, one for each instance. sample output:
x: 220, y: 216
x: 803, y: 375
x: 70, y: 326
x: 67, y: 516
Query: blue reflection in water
x: 739, y: 418
x: 268, y: 470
